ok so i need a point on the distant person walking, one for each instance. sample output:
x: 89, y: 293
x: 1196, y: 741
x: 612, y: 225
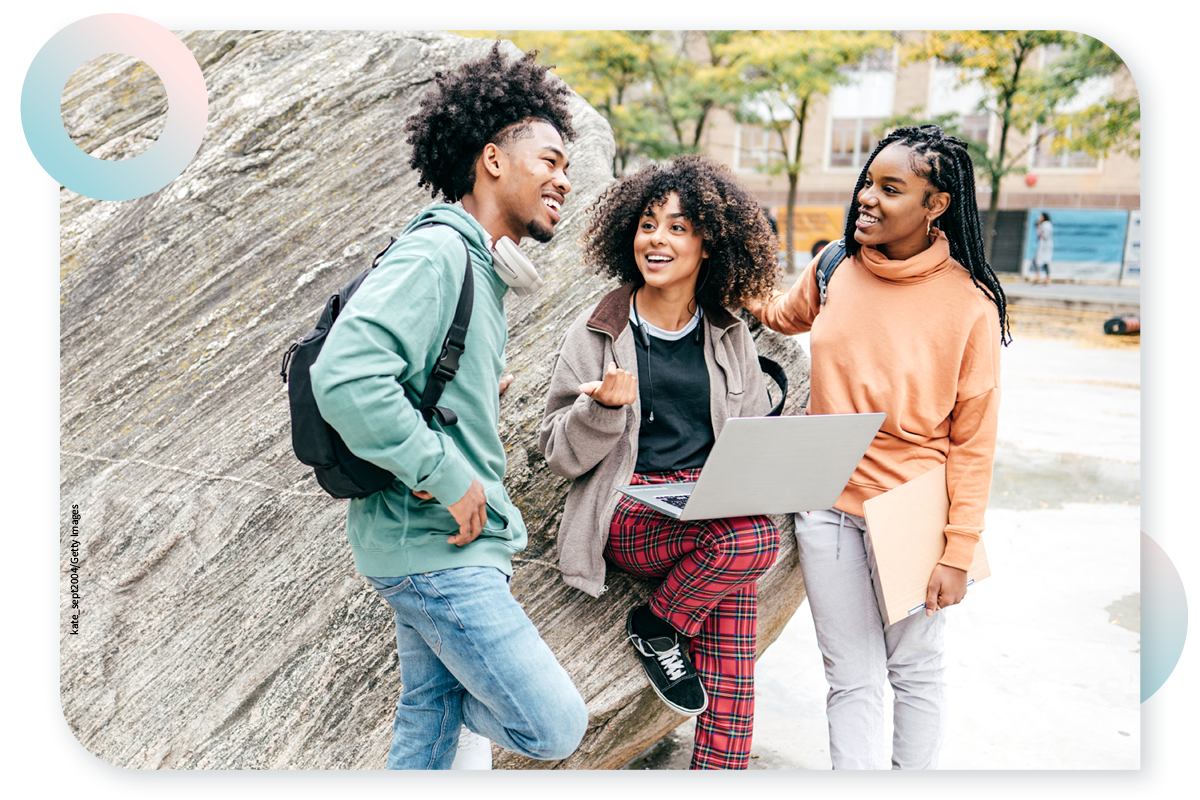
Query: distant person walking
x: 1045, y: 249
x: 912, y: 326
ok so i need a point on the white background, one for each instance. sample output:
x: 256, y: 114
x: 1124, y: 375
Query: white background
x: 31, y: 759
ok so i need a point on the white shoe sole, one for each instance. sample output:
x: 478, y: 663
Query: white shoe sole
x: 687, y: 712
x: 474, y: 751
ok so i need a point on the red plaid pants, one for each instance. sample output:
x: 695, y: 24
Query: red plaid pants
x: 709, y: 593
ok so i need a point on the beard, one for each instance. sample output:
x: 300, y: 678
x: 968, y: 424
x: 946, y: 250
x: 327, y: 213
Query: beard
x: 539, y: 231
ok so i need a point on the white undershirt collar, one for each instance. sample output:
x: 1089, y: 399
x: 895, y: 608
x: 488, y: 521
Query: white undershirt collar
x: 659, y: 333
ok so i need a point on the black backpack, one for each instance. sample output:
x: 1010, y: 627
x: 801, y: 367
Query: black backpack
x: 341, y: 473
x: 831, y: 256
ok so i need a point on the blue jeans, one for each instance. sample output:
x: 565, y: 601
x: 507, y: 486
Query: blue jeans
x: 469, y: 655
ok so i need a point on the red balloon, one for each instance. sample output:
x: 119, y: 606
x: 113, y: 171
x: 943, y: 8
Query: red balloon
x: 1030, y: 179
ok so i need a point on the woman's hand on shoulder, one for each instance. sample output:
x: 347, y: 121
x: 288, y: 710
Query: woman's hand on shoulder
x: 619, y: 388
x: 947, y: 587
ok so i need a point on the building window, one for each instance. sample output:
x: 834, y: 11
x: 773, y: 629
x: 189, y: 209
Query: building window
x: 1044, y: 156
x: 858, y: 108
x: 975, y: 128
x: 852, y: 140
x: 1091, y: 92
x: 961, y: 99
x: 758, y: 148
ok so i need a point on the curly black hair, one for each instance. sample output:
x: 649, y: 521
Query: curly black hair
x: 489, y: 100
x: 742, y: 261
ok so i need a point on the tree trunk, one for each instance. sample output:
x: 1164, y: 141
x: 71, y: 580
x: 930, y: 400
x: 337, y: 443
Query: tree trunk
x: 1007, y: 99
x: 220, y: 621
x: 989, y: 228
x: 794, y: 165
x: 793, y: 180
x: 705, y: 107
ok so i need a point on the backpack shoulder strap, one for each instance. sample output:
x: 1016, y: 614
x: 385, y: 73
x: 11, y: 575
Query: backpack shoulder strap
x: 833, y: 254
x: 453, y: 347
x: 775, y: 373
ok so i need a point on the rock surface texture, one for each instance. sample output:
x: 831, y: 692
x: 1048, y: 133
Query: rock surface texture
x: 220, y: 622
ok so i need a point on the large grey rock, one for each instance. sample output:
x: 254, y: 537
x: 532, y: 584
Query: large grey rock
x: 220, y: 620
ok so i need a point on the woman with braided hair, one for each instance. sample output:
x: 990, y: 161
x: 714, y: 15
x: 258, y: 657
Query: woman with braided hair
x: 911, y: 324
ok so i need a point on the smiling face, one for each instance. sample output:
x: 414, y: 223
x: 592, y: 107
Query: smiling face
x: 667, y: 248
x: 896, y: 205
x: 533, y: 182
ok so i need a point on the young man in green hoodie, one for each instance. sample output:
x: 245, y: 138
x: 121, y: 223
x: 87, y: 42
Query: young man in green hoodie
x: 437, y: 544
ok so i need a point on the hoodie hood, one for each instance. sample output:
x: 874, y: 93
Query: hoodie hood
x: 456, y: 217
x: 926, y: 265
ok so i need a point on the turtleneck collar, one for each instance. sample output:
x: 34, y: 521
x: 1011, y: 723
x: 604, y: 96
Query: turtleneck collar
x: 926, y: 265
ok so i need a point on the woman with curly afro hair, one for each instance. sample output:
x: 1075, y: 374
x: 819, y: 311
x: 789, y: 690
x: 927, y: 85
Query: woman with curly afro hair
x: 641, y: 389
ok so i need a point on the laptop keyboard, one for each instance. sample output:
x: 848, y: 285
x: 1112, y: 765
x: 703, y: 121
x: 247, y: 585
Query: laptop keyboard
x: 677, y: 500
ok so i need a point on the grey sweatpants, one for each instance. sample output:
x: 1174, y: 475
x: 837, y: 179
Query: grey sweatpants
x: 860, y: 652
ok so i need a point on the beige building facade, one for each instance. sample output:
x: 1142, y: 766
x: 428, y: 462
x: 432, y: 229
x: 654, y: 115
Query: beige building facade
x: 843, y: 129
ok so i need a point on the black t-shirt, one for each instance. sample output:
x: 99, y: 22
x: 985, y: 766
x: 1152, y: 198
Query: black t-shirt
x: 673, y: 386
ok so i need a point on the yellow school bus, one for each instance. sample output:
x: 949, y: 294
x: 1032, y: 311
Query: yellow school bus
x: 814, y: 225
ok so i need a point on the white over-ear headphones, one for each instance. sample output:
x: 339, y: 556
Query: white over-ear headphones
x: 514, y: 268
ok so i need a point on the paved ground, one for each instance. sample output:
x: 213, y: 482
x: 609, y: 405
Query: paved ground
x: 1102, y: 298
x: 1043, y: 656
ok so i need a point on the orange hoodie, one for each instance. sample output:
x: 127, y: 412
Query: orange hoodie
x: 918, y: 340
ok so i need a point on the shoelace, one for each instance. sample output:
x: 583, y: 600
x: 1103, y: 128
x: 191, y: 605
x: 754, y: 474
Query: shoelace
x: 672, y: 663
x: 670, y: 660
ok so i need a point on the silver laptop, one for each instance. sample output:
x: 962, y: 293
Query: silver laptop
x: 769, y: 465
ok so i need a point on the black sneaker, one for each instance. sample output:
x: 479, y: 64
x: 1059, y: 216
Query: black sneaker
x: 671, y: 672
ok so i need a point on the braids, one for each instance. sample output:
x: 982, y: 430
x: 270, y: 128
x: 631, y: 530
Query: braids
x: 944, y: 162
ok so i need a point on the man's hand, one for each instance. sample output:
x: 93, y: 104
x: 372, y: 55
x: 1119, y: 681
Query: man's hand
x: 505, y: 382
x: 619, y: 388
x: 947, y: 587
x: 470, y: 513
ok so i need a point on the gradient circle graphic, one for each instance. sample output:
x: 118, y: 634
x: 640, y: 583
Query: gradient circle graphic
x: 41, y: 102
x: 1164, y: 617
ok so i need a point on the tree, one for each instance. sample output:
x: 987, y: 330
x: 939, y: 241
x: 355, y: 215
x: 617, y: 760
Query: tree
x: 1110, y: 124
x: 779, y: 75
x: 695, y: 81
x: 657, y: 89
x: 635, y: 79
x: 1021, y: 95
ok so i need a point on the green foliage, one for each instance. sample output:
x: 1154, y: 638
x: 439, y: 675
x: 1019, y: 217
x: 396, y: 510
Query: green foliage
x: 916, y: 116
x: 1028, y: 98
x: 655, y: 88
x: 1023, y: 95
x: 777, y: 74
x: 691, y: 81
x: 1112, y: 123
x: 948, y: 122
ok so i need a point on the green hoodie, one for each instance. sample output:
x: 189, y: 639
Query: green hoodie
x: 368, y: 382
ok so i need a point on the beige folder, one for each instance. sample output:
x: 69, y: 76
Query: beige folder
x: 907, y: 530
